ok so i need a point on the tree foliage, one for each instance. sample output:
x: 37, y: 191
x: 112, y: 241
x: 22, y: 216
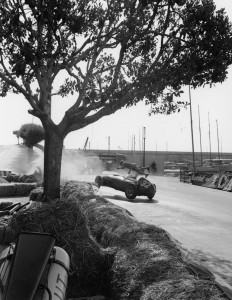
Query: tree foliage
x: 110, y: 54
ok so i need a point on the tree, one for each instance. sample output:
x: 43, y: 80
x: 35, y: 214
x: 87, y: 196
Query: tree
x: 31, y: 134
x: 108, y: 54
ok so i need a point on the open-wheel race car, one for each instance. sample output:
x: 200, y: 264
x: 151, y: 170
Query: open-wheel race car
x: 129, y: 185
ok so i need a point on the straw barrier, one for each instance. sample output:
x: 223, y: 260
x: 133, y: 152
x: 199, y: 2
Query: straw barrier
x: 16, y: 189
x: 112, y: 254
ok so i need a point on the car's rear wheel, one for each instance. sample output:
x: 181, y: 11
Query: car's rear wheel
x: 131, y: 192
x: 98, y: 181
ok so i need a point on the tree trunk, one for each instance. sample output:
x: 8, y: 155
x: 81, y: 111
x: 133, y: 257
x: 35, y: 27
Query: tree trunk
x: 52, y: 164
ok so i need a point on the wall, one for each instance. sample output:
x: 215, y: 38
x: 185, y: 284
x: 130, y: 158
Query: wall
x: 159, y: 157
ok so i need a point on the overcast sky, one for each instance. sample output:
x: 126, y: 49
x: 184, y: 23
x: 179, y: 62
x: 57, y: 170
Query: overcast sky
x: 162, y: 132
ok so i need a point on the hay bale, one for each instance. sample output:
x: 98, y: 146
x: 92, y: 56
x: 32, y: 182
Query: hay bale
x: 24, y: 189
x: 79, y: 190
x: 3, y: 180
x: 6, y: 235
x: 228, y: 186
x: 16, y: 177
x: 5, y: 204
x: 7, y: 190
x: 64, y: 220
x: 37, y: 194
x: 31, y: 179
x: 10, y: 177
x: 23, y: 177
x: 212, y: 182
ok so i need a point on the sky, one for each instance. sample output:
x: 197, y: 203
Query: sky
x: 123, y: 130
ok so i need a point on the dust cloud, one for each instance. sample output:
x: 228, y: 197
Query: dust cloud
x: 75, y: 163
x: 18, y: 159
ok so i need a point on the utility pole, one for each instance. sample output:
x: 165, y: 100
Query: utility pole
x: 108, y: 145
x: 133, y: 143
x: 219, y: 157
x: 139, y: 141
x: 221, y: 147
x: 166, y: 152
x: 209, y: 140
x: 144, y: 138
x: 200, y: 134
x: 191, y: 120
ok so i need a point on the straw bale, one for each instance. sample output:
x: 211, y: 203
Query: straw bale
x: 3, y: 180
x: 79, y: 190
x: 31, y: 179
x: 23, y: 177
x: 7, y: 190
x: 10, y: 177
x: 228, y: 186
x: 24, y: 189
x: 37, y: 194
x: 15, y: 177
x: 64, y: 219
x: 5, y: 204
x: 182, y: 288
x: 212, y: 182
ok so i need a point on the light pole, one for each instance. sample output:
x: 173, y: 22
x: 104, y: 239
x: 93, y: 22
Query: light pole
x: 210, y: 156
x: 191, y: 119
x: 144, y: 138
x: 108, y: 145
x: 219, y: 165
x: 200, y: 134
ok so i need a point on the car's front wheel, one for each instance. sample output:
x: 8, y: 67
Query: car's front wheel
x: 152, y: 192
x: 131, y: 192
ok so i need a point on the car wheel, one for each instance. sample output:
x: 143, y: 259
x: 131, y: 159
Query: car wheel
x: 131, y: 191
x: 152, y: 193
x: 98, y: 181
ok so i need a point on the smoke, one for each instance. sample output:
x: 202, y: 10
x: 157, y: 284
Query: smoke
x: 76, y: 163
x: 17, y: 159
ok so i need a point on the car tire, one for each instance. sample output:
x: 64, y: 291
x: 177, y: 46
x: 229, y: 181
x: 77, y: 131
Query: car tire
x: 131, y: 191
x: 98, y: 181
x: 152, y: 194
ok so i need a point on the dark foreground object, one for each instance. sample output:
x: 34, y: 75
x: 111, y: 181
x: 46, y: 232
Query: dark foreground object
x: 33, y: 268
x: 129, y: 185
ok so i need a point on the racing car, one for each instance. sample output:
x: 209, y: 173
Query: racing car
x: 129, y: 185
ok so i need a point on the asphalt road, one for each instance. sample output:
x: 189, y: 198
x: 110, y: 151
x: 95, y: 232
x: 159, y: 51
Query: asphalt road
x: 199, y: 218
